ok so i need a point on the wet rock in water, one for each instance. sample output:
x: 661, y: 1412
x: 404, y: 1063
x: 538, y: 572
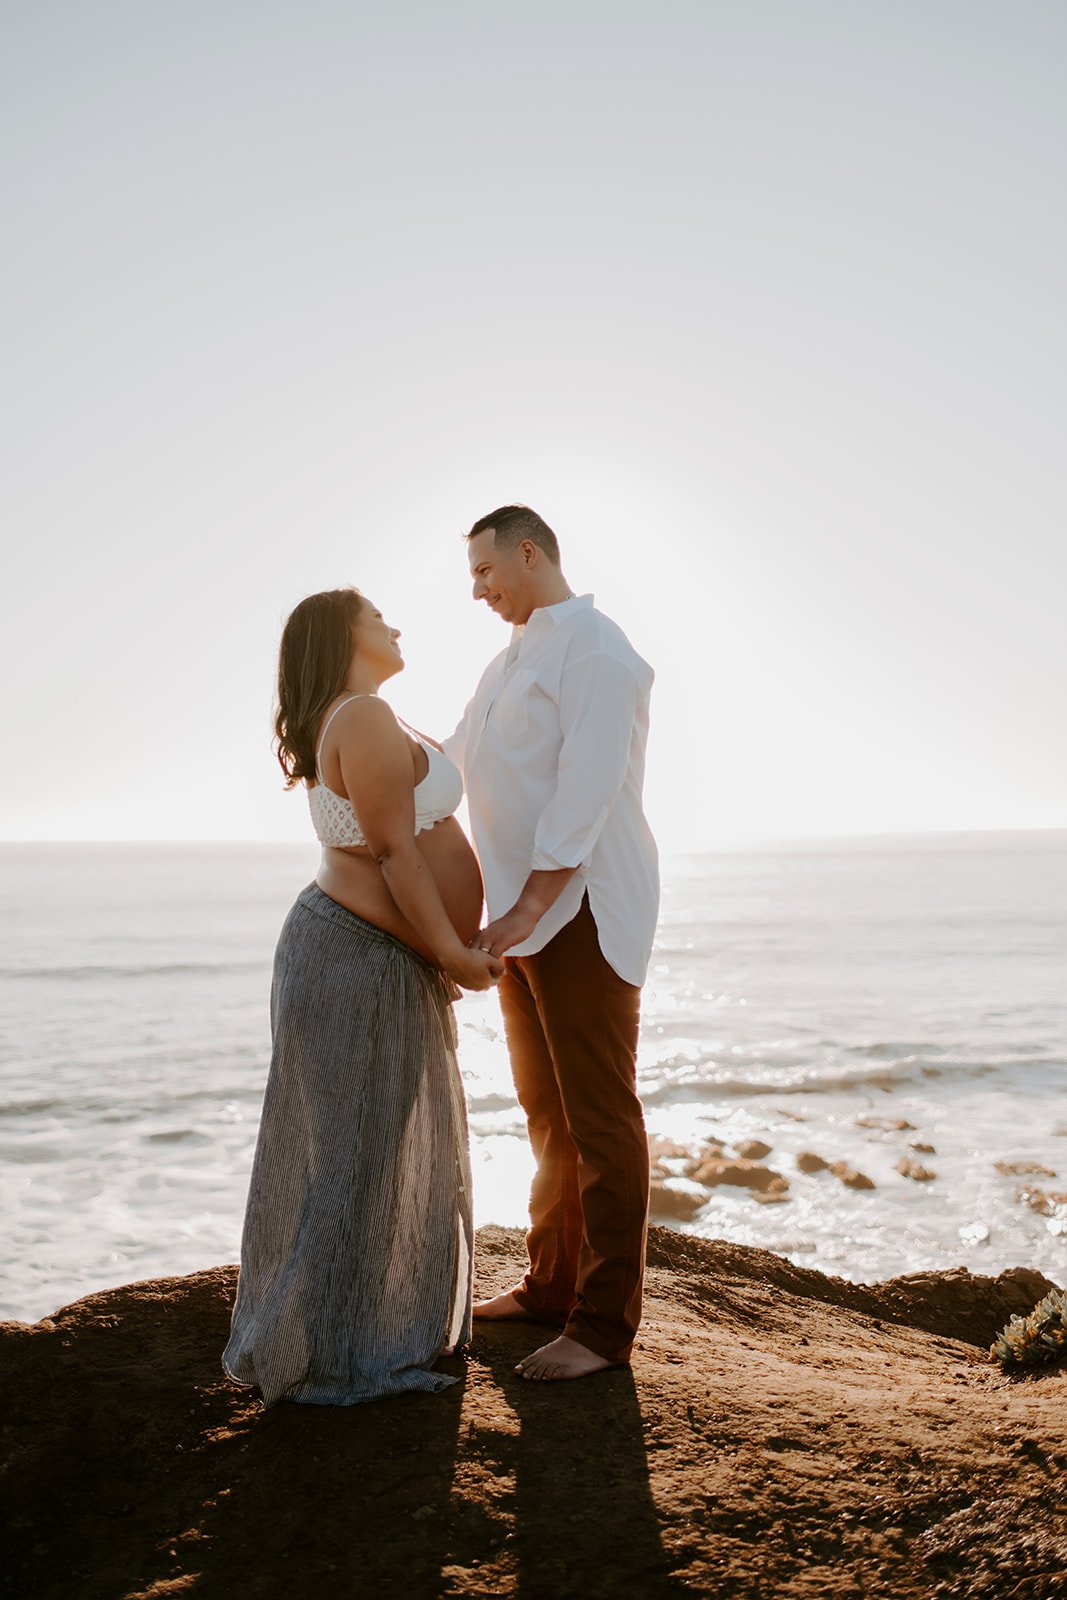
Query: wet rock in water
x: 1046, y: 1202
x: 710, y: 1152
x: 775, y: 1192
x: 661, y: 1149
x: 744, y: 1174
x: 885, y: 1124
x: 923, y: 1149
x: 914, y: 1170
x: 808, y: 1161
x: 798, y: 1116
x: 850, y: 1177
x: 661, y: 1152
x: 753, y: 1149
x: 681, y: 1204
x: 1019, y: 1169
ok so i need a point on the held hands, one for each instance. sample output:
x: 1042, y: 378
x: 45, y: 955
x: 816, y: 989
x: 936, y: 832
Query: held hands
x: 540, y: 891
x: 510, y: 929
x: 475, y: 969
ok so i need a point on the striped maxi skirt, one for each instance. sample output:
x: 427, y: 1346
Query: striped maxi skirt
x: 357, y: 1244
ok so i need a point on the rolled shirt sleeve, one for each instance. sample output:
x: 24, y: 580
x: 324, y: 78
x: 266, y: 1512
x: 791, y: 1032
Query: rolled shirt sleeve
x: 597, y: 700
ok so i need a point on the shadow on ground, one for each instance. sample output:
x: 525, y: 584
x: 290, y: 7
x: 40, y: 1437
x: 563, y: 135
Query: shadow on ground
x: 782, y: 1436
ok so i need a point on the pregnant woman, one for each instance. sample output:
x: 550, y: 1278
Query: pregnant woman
x: 356, y: 1251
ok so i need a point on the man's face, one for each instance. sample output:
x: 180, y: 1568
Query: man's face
x: 501, y: 578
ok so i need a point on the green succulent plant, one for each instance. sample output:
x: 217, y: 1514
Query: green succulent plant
x: 1041, y: 1336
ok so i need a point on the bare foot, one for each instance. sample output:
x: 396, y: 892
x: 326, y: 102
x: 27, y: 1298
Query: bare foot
x: 563, y: 1358
x: 501, y: 1308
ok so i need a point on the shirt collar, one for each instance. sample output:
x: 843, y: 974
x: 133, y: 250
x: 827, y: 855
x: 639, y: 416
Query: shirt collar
x: 557, y: 613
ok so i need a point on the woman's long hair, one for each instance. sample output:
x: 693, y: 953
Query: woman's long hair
x: 313, y: 662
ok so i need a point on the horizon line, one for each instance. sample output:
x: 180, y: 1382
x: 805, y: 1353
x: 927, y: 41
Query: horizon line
x: 724, y: 841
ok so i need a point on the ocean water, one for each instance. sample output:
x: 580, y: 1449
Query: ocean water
x: 812, y: 995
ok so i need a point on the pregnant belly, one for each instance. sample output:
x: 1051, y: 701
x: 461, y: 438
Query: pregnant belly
x: 354, y: 879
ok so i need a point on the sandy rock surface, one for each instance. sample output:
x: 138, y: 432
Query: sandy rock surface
x: 780, y: 1435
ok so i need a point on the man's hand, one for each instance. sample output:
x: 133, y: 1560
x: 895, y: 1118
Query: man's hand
x: 540, y: 891
x: 510, y: 929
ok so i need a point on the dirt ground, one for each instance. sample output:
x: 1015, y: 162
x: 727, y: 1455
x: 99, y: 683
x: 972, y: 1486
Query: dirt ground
x: 780, y: 1435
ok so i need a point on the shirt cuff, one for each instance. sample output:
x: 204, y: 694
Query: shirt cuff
x: 543, y: 862
x: 572, y: 852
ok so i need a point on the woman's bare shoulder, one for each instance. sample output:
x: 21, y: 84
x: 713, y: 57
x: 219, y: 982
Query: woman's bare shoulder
x: 364, y: 705
x: 365, y: 718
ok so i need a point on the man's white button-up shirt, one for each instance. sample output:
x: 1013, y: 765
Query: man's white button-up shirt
x: 552, y: 751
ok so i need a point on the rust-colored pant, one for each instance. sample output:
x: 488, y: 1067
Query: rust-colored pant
x: 571, y: 1025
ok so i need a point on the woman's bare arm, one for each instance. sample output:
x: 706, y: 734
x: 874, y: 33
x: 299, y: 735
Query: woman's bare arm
x: 375, y: 760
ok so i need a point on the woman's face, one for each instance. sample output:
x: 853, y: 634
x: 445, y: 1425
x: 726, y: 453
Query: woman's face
x: 376, y: 642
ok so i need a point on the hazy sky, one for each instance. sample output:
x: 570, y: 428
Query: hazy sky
x: 760, y: 304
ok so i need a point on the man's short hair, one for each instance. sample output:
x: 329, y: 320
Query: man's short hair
x: 513, y: 524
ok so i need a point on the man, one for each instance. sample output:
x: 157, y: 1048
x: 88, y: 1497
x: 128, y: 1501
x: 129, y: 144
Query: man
x: 552, y: 750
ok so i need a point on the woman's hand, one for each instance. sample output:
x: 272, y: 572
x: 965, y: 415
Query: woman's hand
x: 475, y: 969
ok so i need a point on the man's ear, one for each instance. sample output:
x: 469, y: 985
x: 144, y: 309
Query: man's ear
x: 529, y: 552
